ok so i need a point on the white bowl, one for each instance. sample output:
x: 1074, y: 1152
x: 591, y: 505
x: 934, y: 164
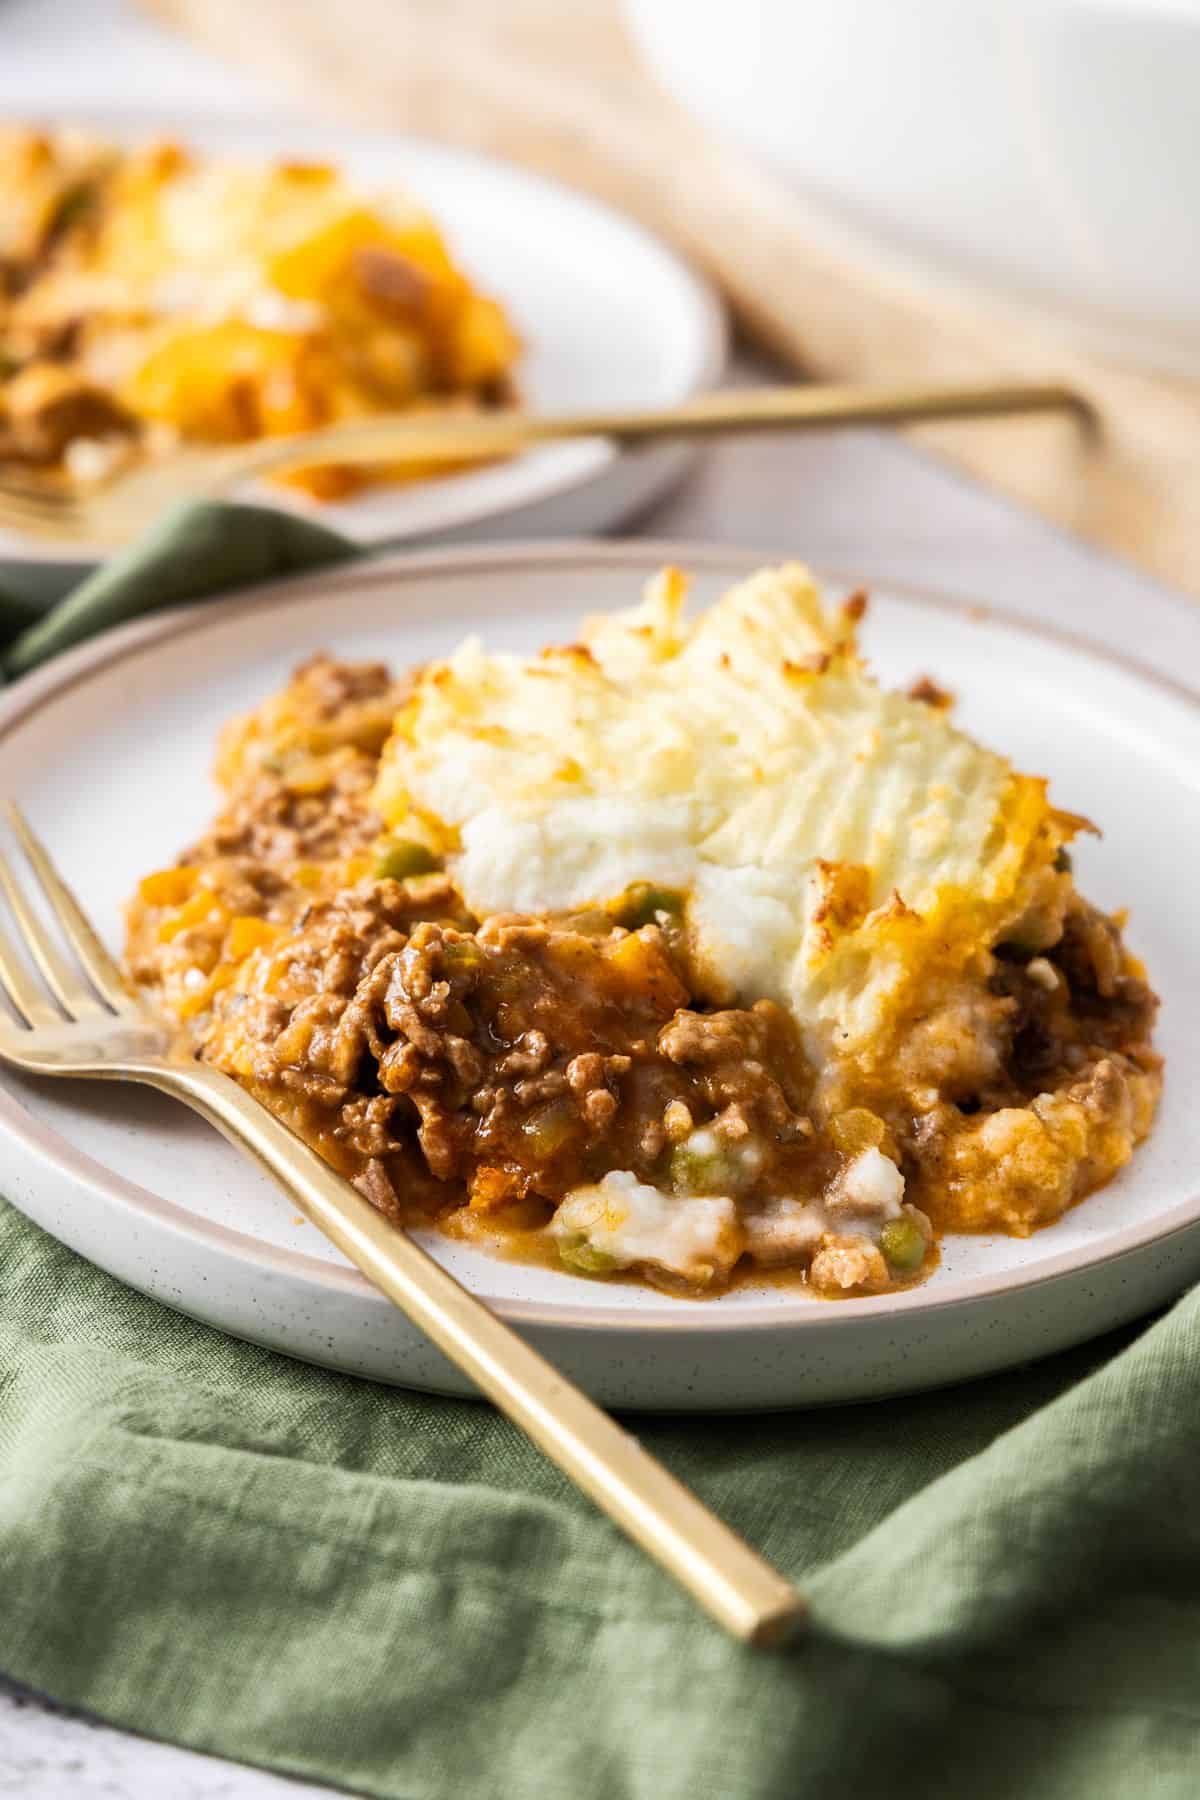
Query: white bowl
x: 1049, y: 148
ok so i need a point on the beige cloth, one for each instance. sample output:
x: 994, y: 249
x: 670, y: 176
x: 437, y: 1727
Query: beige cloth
x: 555, y: 84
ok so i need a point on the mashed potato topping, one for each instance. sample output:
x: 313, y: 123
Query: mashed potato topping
x: 836, y: 842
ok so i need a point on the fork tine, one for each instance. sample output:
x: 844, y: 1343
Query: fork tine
x: 72, y: 994
x: 38, y: 506
x: 32, y: 491
x: 35, y: 493
x: 115, y: 511
x: 25, y: 993
x: 17, y: 514
x: 97, y: 964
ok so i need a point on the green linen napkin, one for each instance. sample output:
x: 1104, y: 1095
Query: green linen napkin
x: 212, y: 1544
x: 199, y: 547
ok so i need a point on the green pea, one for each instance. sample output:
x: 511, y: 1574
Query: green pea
x: 461, y: 953
x: 582, y: 1258
x: 697, y: 1171
x: 903, y: 1244
x: 642, y: 903
x: 403, y: 857
x: 1027, y: 940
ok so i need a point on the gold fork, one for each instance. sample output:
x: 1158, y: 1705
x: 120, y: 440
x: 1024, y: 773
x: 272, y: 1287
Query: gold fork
x: 118, y: 509
x: 81, y: 1020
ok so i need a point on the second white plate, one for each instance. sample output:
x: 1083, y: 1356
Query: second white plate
x: 109, y: 750
x: 609, y: 318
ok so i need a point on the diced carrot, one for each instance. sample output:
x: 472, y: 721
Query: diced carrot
x: 247, y: 933
x: 643, y: 964
x: 167, y: 887
x: 482, y: 344
x: 492, y: 1187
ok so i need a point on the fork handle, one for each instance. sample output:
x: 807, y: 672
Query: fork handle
x: 739, y: 1589
x: 454, y: 437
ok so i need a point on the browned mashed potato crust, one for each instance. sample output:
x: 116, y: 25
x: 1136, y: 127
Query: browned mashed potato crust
x: 459, y: 1069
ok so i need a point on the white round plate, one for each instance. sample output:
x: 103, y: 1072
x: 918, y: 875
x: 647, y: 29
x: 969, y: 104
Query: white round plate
x: 109, y: 750
x: 609, y: 317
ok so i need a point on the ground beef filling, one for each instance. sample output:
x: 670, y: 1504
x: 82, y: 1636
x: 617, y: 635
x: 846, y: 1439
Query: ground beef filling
x: 524, y: 1057
x: 563, y: 1071
x: 502, y: 1069
x: 517, y: 1062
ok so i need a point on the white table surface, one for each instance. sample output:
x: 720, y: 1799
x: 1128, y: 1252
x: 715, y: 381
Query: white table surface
x: 857, y: 503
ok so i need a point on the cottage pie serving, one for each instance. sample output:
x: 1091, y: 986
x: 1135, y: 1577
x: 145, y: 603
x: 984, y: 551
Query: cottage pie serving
x: 153, y: 297
x: 679, y: 950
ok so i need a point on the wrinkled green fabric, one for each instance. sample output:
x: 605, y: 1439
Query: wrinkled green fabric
x: 210, y: 1543
x: 199, y: 547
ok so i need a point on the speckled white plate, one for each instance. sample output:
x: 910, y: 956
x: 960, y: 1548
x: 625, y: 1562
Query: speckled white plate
x: 109, y: 750
x: 608, y: 315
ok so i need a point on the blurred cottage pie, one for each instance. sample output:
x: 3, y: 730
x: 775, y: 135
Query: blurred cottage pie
x: 681, y: 949
x: 153, y: 296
